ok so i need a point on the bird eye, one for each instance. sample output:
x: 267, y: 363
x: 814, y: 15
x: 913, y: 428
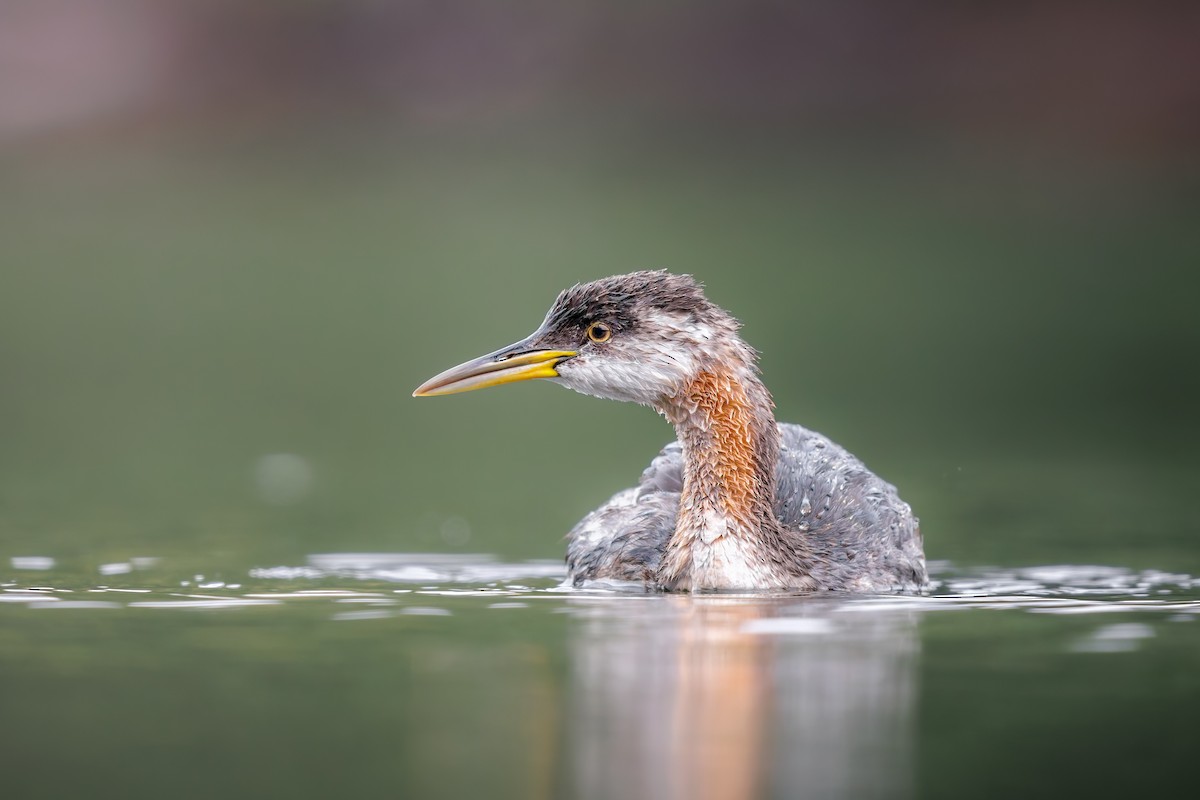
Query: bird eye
x: 599, y: 333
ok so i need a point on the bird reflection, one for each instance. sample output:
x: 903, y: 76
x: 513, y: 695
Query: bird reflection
x: 721, y: 697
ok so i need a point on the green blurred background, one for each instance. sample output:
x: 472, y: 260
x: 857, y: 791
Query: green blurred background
x: 235, y: 236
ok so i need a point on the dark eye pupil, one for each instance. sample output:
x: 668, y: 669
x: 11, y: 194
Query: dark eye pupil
x: 599, y: 331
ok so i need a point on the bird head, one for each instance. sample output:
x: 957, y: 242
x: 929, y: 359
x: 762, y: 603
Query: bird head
x: 640, y: 337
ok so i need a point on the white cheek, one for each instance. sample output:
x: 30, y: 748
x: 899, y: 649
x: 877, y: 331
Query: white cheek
x: 654, y: 371
x: 644, y: 381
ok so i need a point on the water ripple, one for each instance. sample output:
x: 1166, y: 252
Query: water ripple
x: 390, y: 584
x: 422, y: 568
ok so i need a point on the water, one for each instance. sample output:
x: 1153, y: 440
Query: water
x: 454, y: 676
x: 207, y: 360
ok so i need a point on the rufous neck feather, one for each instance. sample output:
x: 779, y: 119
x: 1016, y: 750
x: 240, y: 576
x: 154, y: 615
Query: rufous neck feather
x: 730, y: 446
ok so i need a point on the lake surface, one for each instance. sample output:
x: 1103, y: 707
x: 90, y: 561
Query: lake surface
x: 413, y: 675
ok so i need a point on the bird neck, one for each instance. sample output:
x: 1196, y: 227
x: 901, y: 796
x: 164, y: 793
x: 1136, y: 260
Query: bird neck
x: 726, y: 527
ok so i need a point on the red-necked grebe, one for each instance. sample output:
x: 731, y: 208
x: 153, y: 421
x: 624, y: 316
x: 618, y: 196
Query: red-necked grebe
x: 738, y: 502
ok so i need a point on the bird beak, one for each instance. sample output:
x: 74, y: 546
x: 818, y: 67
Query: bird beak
x: 517, y: 362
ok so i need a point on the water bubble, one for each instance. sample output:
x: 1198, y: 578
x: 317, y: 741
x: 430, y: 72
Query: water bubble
x: 76, y: 604
x: 283, y: 479
x: 352, y: 615
x: 1125, y: 630
x: 426, y: 611
x: 32, y: 562
x: 455, y: 531
x: 1120, y: 638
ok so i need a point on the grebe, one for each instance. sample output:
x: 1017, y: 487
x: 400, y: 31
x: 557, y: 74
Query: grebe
x: 739, y: 502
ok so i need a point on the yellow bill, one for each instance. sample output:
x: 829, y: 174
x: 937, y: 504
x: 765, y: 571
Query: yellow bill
x: 494, y: 369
